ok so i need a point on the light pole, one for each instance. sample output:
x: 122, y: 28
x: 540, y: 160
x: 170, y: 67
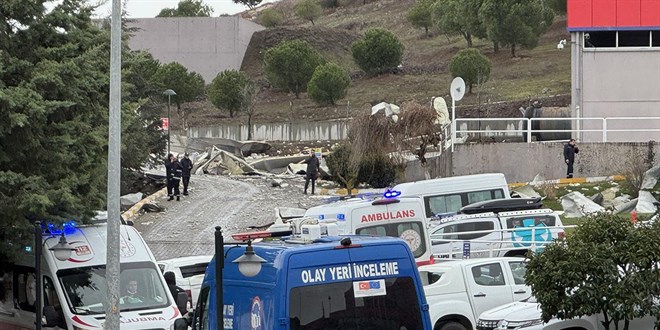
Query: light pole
x: 61, y: 250
x: 249, y: 265
x: 169, y: 93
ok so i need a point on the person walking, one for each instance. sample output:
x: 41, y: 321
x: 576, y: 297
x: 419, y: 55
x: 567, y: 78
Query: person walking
x: 570, y: 149
x: 168, y: 164
x: 175, y: 177
x: 187, y: 166
x: 313, y: 169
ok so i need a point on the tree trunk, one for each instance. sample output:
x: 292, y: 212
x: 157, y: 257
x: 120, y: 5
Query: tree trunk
x: 468, y: 39
x: 513, y: 50
x: 427, y: 175
x: 496, y: 46
x: 311, y: 20
x: 470, y: 88
x: 426, y: 30
x: 231, y: 113
x: 249, y: 126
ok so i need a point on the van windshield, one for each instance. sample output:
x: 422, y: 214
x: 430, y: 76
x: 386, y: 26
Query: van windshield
x: 335, y: 306
x: 412, y: 232
x: 140, y: 288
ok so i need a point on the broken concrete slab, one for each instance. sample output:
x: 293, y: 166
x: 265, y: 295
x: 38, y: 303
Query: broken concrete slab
x: 597, y: 198
x: 526, y: 191
x: 626, y: 207
x: 651, y: 178
x: 254, y: 147
x: 129, y: 200
x: 222, y: 162
x: 576, y: 205
x: 609, y: 195
x: 645, y: 202
x: 275, y: 163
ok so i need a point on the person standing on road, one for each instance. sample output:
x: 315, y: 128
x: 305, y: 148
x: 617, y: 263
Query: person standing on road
x: 187, y: 165
x: 175, y: 177
x: 570, y: 149
x: 168, y: 164
x: 313, y: 169
x: 170, y: 279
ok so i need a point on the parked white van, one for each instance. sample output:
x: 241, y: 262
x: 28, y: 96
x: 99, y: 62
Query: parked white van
x: 74, y: 290
x: 448, y: 195
x: 189, y: 273
x: 397, y: 217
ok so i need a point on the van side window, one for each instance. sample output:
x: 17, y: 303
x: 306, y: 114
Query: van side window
x: 201, y: 321
x: 531, y: 221
x: 442, y: 204
x: 25, y: 288
x: 474, y: 226
x: 51, y: 299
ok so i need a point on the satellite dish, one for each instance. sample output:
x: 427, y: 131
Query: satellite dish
x: 457, y: 88
x: 440, y: 107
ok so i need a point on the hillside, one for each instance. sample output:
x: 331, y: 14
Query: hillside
x: 534, y: 74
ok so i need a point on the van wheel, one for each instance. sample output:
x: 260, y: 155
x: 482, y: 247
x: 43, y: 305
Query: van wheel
x: 452, y: 326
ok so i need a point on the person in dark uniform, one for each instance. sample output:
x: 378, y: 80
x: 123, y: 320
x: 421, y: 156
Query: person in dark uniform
x: 570, y: 149
x: 313, y: 166
x: 187, y: 166
x: 168, y: 164
x: 175, y: 177
x: 170, y: 279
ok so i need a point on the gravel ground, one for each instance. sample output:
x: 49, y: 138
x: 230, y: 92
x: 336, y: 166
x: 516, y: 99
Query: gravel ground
x: 186, y: 228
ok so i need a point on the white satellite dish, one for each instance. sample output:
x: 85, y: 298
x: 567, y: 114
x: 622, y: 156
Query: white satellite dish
x: 440, y: 107
x: 457, y: 88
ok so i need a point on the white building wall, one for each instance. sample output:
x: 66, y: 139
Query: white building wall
x: 206, y: 45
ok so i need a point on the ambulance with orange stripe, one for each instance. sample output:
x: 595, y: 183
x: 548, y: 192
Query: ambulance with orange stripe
x: 73, y: 290
x: 389, y: 215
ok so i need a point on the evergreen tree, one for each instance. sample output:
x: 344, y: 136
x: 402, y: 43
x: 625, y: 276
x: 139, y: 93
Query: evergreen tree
x: 188, y: 8
x: 308, y: 10
x: 378, y: 51
x: 471, y: 65
x: 459, y: 17
x: 225, y: 92
x: 290, y: 65
x: 515, y: 22
x: 328, y: 84
x: 249, y: 3
x: 420, y: 15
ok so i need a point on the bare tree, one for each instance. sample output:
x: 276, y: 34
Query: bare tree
x: 417, y: 131
x: 250, y: 94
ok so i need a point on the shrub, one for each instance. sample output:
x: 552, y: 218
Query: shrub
x: 329, y: 3
x: 308, y: 10
x: 270, y: 17
x: 378, y: 51
x: 328, y: 84
x: 471, y: 65
x: 377, y: 171
x: 340, y: 165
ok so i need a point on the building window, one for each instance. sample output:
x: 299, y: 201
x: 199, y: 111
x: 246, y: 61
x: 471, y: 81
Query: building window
x: 634, y: 39
x: 655, y: 38
x: 599, y: 39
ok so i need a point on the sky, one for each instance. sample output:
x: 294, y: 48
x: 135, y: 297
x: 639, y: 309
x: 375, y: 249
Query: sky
x: 151, y: 8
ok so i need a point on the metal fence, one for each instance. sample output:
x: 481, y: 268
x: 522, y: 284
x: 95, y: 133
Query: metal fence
x: 603, y: 124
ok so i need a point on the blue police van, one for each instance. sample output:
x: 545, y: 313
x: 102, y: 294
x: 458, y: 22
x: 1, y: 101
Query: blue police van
x: 331, y: 282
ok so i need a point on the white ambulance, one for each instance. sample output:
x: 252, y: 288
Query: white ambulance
x: 389, y: 216
x: 74, y: 290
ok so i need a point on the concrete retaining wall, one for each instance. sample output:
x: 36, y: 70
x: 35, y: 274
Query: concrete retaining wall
x: 312, y: 131
x: 521, y: 162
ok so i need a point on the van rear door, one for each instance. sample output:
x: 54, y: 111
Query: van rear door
x: 366, y: 287
x: 396, y: 218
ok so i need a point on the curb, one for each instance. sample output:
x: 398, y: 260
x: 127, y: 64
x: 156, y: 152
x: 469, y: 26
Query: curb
x: 135, y: 209
x: 569, y: 181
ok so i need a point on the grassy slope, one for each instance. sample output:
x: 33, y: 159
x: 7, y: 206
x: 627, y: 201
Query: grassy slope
x: 535, y: 73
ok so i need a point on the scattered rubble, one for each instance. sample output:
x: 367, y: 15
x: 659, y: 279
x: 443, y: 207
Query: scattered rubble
x: 651, y: 178
x: 526, y: 191
x: 129, y: 200
x: 575, y: 205
x: 645, y: 202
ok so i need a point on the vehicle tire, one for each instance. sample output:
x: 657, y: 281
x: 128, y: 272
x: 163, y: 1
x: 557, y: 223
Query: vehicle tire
x: 452, y: 326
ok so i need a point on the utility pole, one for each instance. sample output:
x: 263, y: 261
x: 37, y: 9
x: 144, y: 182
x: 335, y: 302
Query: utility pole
x: 114, y: 174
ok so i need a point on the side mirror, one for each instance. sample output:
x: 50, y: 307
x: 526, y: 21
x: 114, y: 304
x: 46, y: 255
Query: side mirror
x: 180, y: 324
x: 52, y: 316
x: 182, y: 302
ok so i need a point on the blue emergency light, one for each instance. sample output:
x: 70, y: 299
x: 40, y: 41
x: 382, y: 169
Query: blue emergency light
x: 341, y: 216
x: 392, y: 194
x: 67, y: 227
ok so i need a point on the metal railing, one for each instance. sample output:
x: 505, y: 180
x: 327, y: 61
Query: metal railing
x: 494, y: 246
x: 604, y: 126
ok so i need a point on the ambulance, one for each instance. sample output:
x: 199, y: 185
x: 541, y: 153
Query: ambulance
x: 310, y: 281
x: 74, y: 290
x: 390, y: 215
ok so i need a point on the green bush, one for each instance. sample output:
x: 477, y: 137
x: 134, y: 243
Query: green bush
x: 471, y: 65
x: 378, y: 51
x: 328, y: 84
x: 270, y: 17
x: 339, y: 165
x: 377, y: 171
x: 308, y: 10
x: 291, y: 64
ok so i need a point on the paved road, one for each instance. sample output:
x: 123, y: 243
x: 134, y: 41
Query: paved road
x: 187, y: 227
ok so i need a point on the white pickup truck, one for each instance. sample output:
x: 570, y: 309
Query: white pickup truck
x: 457, y: 291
